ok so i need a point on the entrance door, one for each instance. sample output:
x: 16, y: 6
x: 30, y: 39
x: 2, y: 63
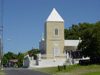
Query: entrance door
x: 56, y: 51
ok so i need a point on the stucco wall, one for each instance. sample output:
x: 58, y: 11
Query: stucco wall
x: 51, y: 38
x: 51, y: 62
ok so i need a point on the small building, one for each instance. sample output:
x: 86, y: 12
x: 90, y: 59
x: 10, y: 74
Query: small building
x: 12, y: 63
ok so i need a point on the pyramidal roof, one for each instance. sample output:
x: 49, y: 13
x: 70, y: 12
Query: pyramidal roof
x: 54, y: 16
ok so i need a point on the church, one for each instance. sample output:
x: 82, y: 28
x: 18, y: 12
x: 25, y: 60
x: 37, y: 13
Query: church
x: 53, y: 42
x: 55, y: 50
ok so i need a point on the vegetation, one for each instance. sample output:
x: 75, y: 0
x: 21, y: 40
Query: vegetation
x: 33, y: 52
x: 26, y: 53
x: 1, y: 73
x: 50, y: 70
x: 92, y: 73
x: 54, y: 70
x: 90, y: 44
x: 9, y: 56
x: 90, y: 36
x: 4, y: 60
x: 72, y: 70
x: 20, y: 58
x: 72, y: 32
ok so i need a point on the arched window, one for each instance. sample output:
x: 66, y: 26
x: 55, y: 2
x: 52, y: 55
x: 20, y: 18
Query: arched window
x: 56, y: 31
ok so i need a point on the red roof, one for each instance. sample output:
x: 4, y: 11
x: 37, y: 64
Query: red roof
x: 14, y: 60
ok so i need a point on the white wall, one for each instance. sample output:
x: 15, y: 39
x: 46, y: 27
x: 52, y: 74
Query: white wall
x: 28, y: 62
x: 51, y: 62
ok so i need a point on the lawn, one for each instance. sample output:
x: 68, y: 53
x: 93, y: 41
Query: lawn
x: 92, y: 73
x: 73, y: 70
x: 1, y: 72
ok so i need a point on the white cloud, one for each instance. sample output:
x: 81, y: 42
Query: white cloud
x: 8, y: 39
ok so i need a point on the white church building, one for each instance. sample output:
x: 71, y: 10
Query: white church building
x: 55, y: 50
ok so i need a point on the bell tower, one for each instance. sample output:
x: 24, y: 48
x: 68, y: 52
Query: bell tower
x: 54, y: 35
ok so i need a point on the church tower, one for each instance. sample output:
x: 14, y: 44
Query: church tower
x: 54, y: 35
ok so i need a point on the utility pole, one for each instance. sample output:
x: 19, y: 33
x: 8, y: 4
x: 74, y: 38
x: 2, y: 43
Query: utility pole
x: 1, y: 32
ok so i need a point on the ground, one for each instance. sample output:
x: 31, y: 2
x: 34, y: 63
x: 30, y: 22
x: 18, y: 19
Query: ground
x: 73, y: 70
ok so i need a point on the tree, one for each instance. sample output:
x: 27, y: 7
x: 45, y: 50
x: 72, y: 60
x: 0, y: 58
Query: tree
x: 10, y: 55
x: 90, y: 44
x: 4, y: 61
x: 33, y: 52
x: 72, y: 32
x: 90, y: 36
x: 20, y: 59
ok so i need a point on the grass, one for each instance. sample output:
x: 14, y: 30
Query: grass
x: 92, y: 73
x: 50, y: 70
x: 1, y: 72
x: 54, y: 70
x: 73, y: 70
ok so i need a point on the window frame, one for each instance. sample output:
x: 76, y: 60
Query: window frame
x: 55, y: 32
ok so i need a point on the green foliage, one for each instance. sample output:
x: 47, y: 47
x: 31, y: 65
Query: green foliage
x: 72, y: 32
x: 4, y: 60
x: 20, y: 59
x: 90, y: 44
x: 90, y: 36
x: 33, y: 52
x: 26, y: 53
x: 10, y: 55
x: 76, y: 31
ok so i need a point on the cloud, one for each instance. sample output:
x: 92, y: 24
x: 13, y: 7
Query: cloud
x: 8, y: 39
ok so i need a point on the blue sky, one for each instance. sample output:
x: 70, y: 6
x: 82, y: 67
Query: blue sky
x: 24, y: 19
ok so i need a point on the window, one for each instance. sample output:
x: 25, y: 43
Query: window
x: 56, y: 31
x: 56, y: 51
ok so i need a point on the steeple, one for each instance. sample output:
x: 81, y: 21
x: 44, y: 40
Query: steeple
x: 54, y: 16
